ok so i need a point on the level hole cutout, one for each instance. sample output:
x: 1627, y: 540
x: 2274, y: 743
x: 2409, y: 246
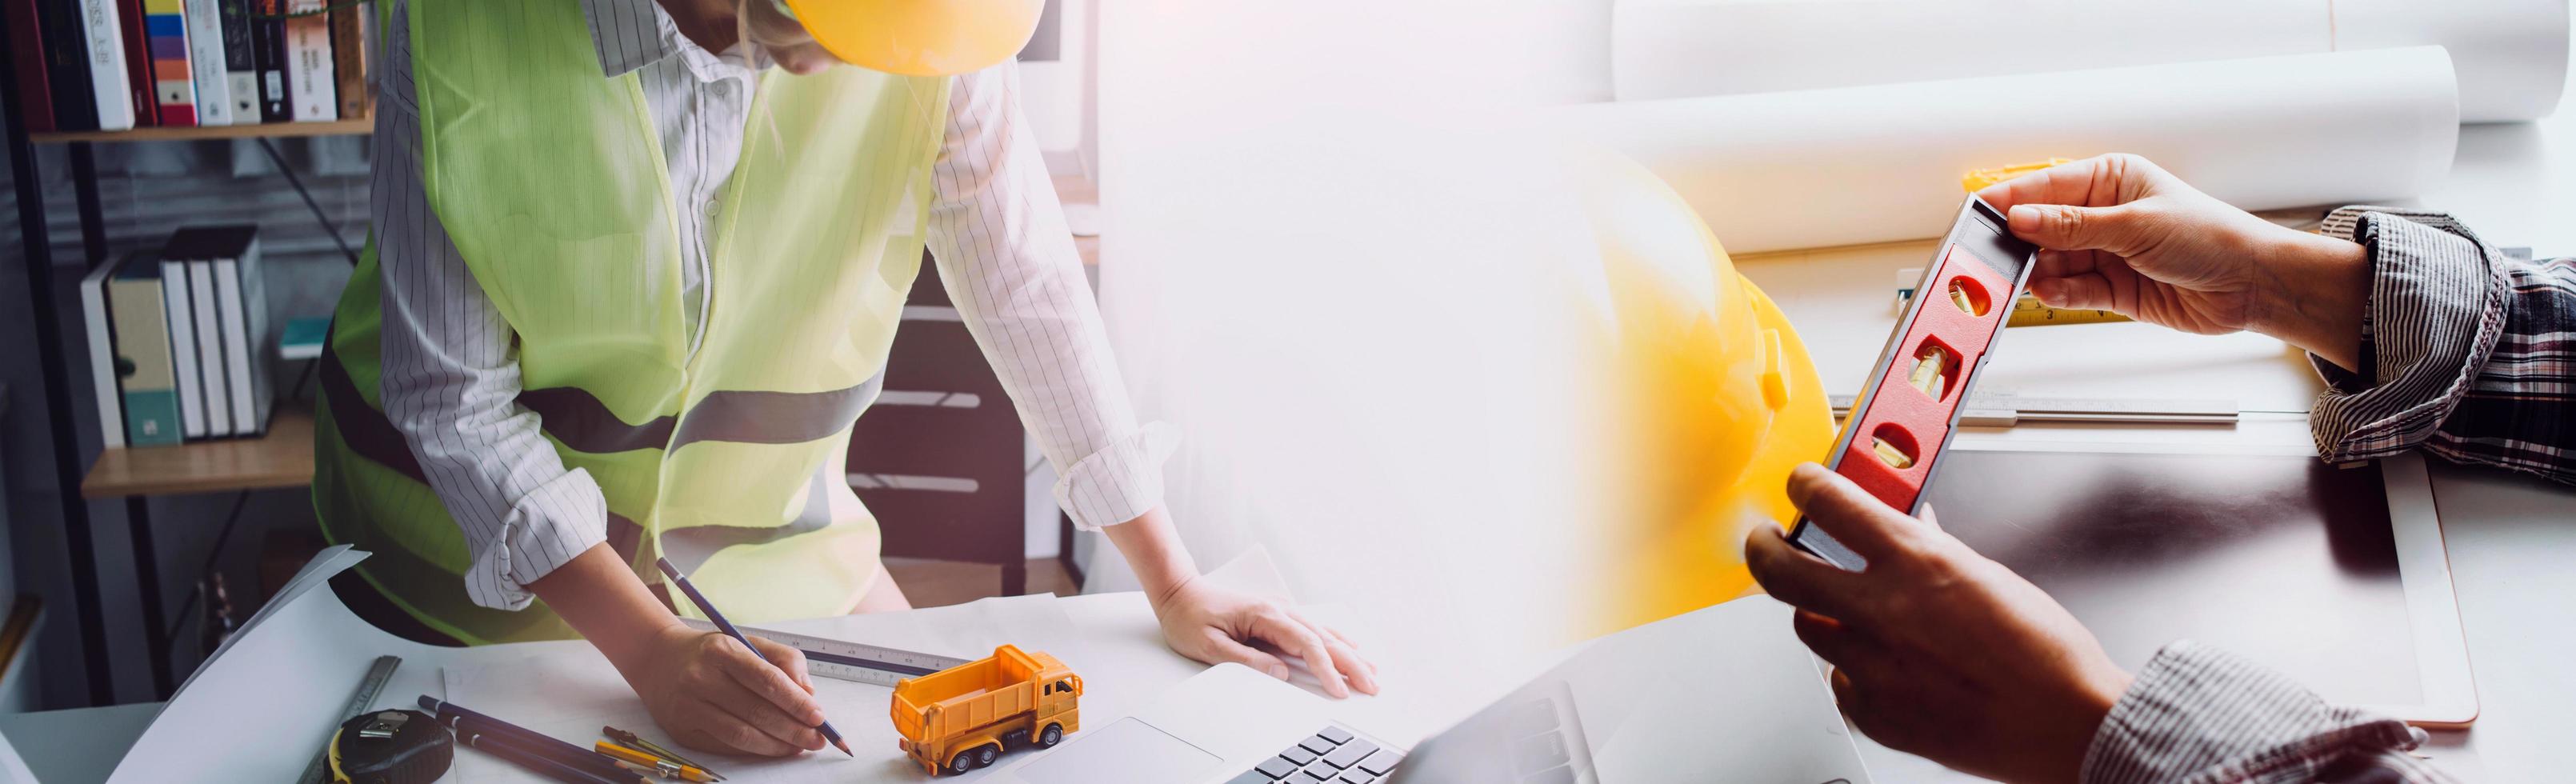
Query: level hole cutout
x: 1893, y: 445
x: 1970, y: 296
x: 1935, y: 370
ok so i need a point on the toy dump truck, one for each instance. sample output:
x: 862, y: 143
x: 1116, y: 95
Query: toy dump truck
x: 964, y: 717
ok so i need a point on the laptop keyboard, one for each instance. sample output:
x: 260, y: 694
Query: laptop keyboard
x: 1332, y: 755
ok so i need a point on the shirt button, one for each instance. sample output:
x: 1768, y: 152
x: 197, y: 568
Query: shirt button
x: 724, y: 89
x: 712, y: 207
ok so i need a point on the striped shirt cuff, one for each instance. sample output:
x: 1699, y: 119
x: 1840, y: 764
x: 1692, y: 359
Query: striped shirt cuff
x: 1121, y: 482
x: 2198, y: 714
x: 547, y: 528
x: 2436, y: 309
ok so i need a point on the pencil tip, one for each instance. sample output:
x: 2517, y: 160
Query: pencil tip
x: 845, y: 747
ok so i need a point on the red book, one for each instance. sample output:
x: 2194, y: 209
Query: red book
x: 27, y: 48
x: 138, y: 63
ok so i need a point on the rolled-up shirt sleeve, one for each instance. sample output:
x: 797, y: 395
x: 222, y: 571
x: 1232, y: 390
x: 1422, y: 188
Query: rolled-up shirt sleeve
x: 1009, y: 263
x: 450, y: 378
x: 2466, y: 353
x: 2200, y: 714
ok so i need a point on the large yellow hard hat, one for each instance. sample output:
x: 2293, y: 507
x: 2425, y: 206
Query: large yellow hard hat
x: 1715, y: 399
x: 920, y: 37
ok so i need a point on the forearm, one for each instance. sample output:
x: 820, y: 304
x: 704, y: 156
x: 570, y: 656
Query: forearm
x: 2316, y: 290
x: 1154, y: 550
x: 603, y: 600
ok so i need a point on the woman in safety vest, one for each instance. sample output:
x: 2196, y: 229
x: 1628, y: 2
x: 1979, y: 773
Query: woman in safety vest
x: 628, y: 288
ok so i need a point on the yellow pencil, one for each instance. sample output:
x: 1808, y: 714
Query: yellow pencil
x: 657, y: 765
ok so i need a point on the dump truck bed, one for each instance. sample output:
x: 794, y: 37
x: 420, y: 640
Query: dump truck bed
x: 966, y: 696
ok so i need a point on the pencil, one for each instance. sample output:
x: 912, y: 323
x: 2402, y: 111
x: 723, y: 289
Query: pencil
x: 659, y: 766
x: 638, y: 742
x: 726, y: 626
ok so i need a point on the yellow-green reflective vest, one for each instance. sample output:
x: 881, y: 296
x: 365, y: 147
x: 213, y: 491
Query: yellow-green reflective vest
x: 729, y: 457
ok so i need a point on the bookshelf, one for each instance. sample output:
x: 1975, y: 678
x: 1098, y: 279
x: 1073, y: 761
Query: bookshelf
x: 357, y: 126
x: 282, y: 458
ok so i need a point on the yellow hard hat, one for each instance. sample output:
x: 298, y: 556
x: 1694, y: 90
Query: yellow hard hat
x: 1714, y: 397
x: 919, y: 37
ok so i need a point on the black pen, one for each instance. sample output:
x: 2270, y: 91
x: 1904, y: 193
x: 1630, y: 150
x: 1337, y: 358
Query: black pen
x: 509, y: 748
x: 524, y: 740
x: 726, y: 626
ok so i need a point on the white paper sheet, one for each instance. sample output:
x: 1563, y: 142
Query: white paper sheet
x: 1855, y: 165
x: 2512, y: 54
x: 568, y: 693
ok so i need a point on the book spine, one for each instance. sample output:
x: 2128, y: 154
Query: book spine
x: 107, y: 65
x: 237, y: 343
x: 138, y: 63
x: 241, y: 74
x: 102, y: 357
x: 206, y: 62
x: 308, y: 64
x: 348, y: 61
x: 269, y: 38
x: 27, y: 56
x: 67, y: 66
x: 210, y: 347
x: 183, y: 348
x: 152, y: 416
x: 165, y: 26
x: 254, y: 286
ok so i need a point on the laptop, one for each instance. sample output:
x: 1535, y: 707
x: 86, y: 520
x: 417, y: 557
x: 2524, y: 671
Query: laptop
x: 1723, y: 693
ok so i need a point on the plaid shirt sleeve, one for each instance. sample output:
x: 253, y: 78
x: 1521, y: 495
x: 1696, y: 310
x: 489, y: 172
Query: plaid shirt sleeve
x: 2467, y: 353
x: 2200, y: 715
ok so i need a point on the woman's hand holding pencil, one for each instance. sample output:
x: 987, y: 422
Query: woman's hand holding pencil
x: 711, y: 693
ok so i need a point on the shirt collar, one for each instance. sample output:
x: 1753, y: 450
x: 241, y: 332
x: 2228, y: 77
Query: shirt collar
x: 631, y: 34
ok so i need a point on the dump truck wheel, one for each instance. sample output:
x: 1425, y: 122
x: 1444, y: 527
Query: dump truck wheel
x: 964, y: 761
x: 1054, y: 734
x: 984, y: 755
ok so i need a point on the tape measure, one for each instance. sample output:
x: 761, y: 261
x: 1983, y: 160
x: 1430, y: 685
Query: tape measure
x: 849, y: 661
x: 391, y: 747
x: 368, y: 687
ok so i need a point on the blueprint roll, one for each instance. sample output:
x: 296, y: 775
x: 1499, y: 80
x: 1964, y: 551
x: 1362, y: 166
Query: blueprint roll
x: 2511, y: 54
x: 1858, y: 165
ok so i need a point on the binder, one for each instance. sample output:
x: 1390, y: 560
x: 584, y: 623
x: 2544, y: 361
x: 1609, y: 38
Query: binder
x: 182, y: 325
x: 210, y: 347
x: 144, y: 353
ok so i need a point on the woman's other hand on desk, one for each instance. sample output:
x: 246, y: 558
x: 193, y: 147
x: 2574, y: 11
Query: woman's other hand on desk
x: 1215, y: 624
x: 1938, y: 651
x: 2122, y: 234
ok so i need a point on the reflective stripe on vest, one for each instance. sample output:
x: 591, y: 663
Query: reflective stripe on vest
x: 549, y: 178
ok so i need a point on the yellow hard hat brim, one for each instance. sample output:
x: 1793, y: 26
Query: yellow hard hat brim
x: 920, y: 37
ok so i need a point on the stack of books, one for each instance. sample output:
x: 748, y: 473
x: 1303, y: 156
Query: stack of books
x: 112, y: 65
x: 178, y: 340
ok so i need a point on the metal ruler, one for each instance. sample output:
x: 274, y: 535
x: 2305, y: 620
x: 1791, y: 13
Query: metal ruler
x: 849, y: 661
x: 2003, y: 410
x: 368, y: 688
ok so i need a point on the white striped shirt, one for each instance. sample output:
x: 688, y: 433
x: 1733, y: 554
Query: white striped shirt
x: 450, y: 377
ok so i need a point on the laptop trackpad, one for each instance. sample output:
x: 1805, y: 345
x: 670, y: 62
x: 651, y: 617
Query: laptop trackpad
x: 1125, y: 752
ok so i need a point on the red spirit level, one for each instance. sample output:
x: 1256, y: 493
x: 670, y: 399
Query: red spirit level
x: 1894, y: 437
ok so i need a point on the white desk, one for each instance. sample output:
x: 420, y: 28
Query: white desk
x: 260, y: 711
